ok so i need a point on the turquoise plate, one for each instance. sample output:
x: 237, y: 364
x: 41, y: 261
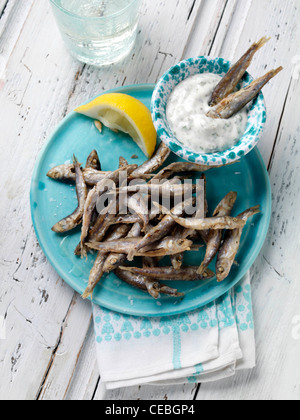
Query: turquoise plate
x: 51, y: 201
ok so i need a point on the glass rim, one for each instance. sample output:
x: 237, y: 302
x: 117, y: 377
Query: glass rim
x: 100, y: 18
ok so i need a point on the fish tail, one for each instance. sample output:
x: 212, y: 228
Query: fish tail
x: 88, y: 293
x: 262, y: 42
x: 236, y: 101
x: 262, y: 81
x: 275, y: 72
x: 170, y: 292
x: 201, y: 269
x: 83, y: 251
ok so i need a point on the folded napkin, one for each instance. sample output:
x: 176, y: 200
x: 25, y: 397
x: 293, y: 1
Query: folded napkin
x: 205, y: 345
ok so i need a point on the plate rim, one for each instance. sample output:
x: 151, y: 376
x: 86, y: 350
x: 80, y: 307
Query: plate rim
x: 131, y: 311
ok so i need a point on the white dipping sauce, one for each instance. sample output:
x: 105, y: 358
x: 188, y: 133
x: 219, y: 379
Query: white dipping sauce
x: 186, y: 114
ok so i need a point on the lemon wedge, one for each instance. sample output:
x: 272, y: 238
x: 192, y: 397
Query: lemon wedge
x: 121, y: 112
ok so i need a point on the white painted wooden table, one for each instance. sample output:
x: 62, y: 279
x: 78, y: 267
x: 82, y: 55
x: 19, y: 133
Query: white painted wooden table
x: 49, y: 352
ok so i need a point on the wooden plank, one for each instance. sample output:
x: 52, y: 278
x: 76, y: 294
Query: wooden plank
x: 86, y: 375
x: 34, y: 314
x: 34, y: 89
x: 3, y: 6
x: 184, y: 392
x: 64, y: 362
x: 13, y: 14
x: 206, y: 26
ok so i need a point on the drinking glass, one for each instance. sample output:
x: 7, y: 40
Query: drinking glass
x: 98, y: 32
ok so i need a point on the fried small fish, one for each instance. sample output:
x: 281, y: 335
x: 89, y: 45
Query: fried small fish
x: 93, y: 161
x: 170, y: 274
x: 114, y: 260
x: 214, y: 237
x: 138, y: 205
x: 66, y: 173
x: 75, y: 219
x: 177, y: 259
x: 123, y: 162
x: 93, y: 197
x: 167, y: 189
x: 233, y: 103
x: 101, y: 227
x: 160, y: 156
x: 154, y: 288
x: 214, y: 223
x: 127, y: 219
x: 201, y: 210
x: 95, y: 275
x: 164, y: 227
x: 168, y: 246
x: 98, y: 268
x: 230, y: 246
x: 180, y: 167
x: 230, y: 81
x: 103, y: 222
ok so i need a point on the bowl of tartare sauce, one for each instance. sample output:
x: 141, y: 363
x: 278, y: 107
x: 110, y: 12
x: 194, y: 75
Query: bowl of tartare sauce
x: 179, y: 107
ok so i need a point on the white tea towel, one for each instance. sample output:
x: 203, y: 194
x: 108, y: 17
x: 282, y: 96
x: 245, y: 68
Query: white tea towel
x: 207, y: 344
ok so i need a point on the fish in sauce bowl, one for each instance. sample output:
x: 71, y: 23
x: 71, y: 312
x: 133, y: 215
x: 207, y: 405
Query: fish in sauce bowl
x: 230, y: 81
x: 187, y: 111
x: 207, y: 113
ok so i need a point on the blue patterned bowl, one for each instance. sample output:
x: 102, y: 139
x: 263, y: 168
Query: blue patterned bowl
x: 163, y: 90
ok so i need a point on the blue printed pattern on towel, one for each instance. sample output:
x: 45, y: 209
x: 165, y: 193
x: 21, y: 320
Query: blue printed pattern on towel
x: 231, y: 308
x: 113, y: 326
